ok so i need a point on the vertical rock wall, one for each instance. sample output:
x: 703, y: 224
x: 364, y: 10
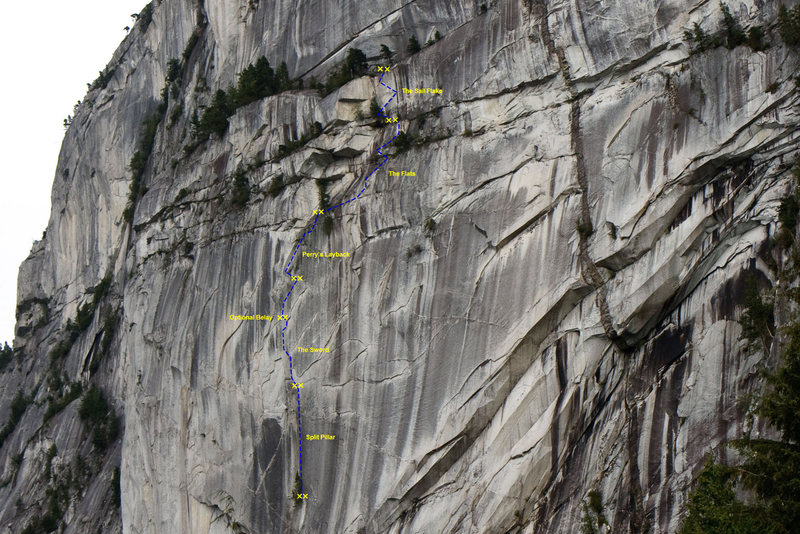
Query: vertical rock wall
x: 548, y: 306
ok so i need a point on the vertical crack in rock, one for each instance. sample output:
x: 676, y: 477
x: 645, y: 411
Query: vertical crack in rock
x: 589, y: 270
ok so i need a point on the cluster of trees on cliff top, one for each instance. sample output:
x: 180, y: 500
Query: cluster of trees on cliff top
x: 255, y: 82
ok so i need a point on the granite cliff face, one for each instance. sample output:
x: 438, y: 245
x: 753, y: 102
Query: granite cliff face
x: 548, y: 306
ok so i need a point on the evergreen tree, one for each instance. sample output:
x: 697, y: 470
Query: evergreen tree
x: 240, y: 192
x: 403, y: 142
x: 781, y: 404
x: 413, y: 45
x: 173, y: 70
x: 246, y: 89
x: 255, y: 82
x: 386, y: 52
x: 215, y: 117
x: 374, y: 109
x: 355, y: 63
x: 757, y: 320
x: 789, y: 25
x: 94, y: 406
x: 713, y: 507
x: 145, y: 17
x: 755, y: 39
x: 734, y: 32
x: 265, y: 77
x: 282, y: 80
x: 5, y: 356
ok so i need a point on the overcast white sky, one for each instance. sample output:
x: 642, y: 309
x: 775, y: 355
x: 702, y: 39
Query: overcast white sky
x: 50, y: 49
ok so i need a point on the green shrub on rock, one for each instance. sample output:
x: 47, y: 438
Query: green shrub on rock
x: 6, y: 353
x: 99, y: 416
x: 789, y: 25
x: 755, y: 39
x: 240, y: 192
x: 413, y: 45
x: 19, y: 405
x: 275, y: 186
x: 734, y: 33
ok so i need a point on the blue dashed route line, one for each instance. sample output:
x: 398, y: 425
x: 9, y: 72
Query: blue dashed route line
x: 295, y: 385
